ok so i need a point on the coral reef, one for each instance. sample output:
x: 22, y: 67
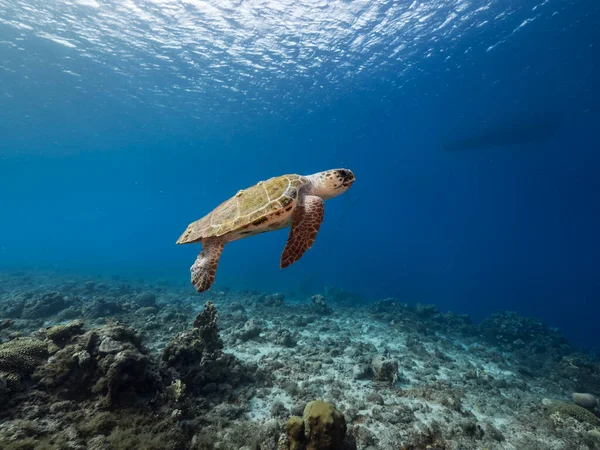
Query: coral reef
x: 144, y: 365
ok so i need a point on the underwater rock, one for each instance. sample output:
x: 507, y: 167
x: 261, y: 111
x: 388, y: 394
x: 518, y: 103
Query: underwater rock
x: 60, y: 334
x: 69, y: 313
x: 587, y: 401
x: 278, y: 410
x: 594, y: 435
x: 109, y: 345
x: 361, y: 371
x: 12, y: 308
x: 19, y: 358
x: 146, y: 311
x: 43, y: 306
x: 274, y: 300
x: 494, y: 433
x: 250, y: 330
x: 387, y: 305
x: 268, y: 435
x: 236, y: 306
x: 146, y: 299
x: 384, y: 369
x: 375, y: 397
x: 471, y: 429
x: 100, y: 307
x: 509, y: 330
x: 238, y: 316
x: 6, y: 323
x: 342, y: 297
x: 427, y: 310
x: 284, y: 338
x: 319, y: 305
x: 105, y: 363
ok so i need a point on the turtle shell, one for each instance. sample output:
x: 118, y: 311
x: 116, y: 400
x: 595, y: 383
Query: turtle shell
x: 248, y: 209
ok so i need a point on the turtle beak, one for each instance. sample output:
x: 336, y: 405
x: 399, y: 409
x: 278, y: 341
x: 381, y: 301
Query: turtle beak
x: 348, y: 178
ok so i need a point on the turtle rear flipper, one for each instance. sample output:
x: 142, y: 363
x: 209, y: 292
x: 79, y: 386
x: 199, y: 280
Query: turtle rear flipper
x: 203, y: 271
x: 306, y: 221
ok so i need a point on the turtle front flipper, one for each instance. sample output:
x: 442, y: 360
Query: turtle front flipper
x: 204, y: 269
x: 306, y: 221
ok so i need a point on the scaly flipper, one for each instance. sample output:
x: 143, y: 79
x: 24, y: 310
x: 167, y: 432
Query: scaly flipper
x: 204, y: 269
x: 306, y: 221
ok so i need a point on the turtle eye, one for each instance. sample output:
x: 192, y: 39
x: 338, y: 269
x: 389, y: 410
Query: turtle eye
x: 343, y: 173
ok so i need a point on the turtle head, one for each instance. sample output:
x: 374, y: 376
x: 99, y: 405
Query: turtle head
x: 331, y: 183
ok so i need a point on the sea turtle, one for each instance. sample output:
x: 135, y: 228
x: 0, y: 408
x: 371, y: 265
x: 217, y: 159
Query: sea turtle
x: 269, y: 205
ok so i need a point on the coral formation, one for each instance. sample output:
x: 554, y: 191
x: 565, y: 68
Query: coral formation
x: 60, y: 334
x: 322, y: 427
x: 295, y: 433
x: 109, y: 363
x: 20, y: 357
x: 196, y: 356
x: 567, y: 409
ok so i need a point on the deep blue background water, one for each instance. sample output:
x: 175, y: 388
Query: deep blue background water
x: 102, y: 169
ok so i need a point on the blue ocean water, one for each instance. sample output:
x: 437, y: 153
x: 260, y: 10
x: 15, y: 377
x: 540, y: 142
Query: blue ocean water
x: 471, y: 128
